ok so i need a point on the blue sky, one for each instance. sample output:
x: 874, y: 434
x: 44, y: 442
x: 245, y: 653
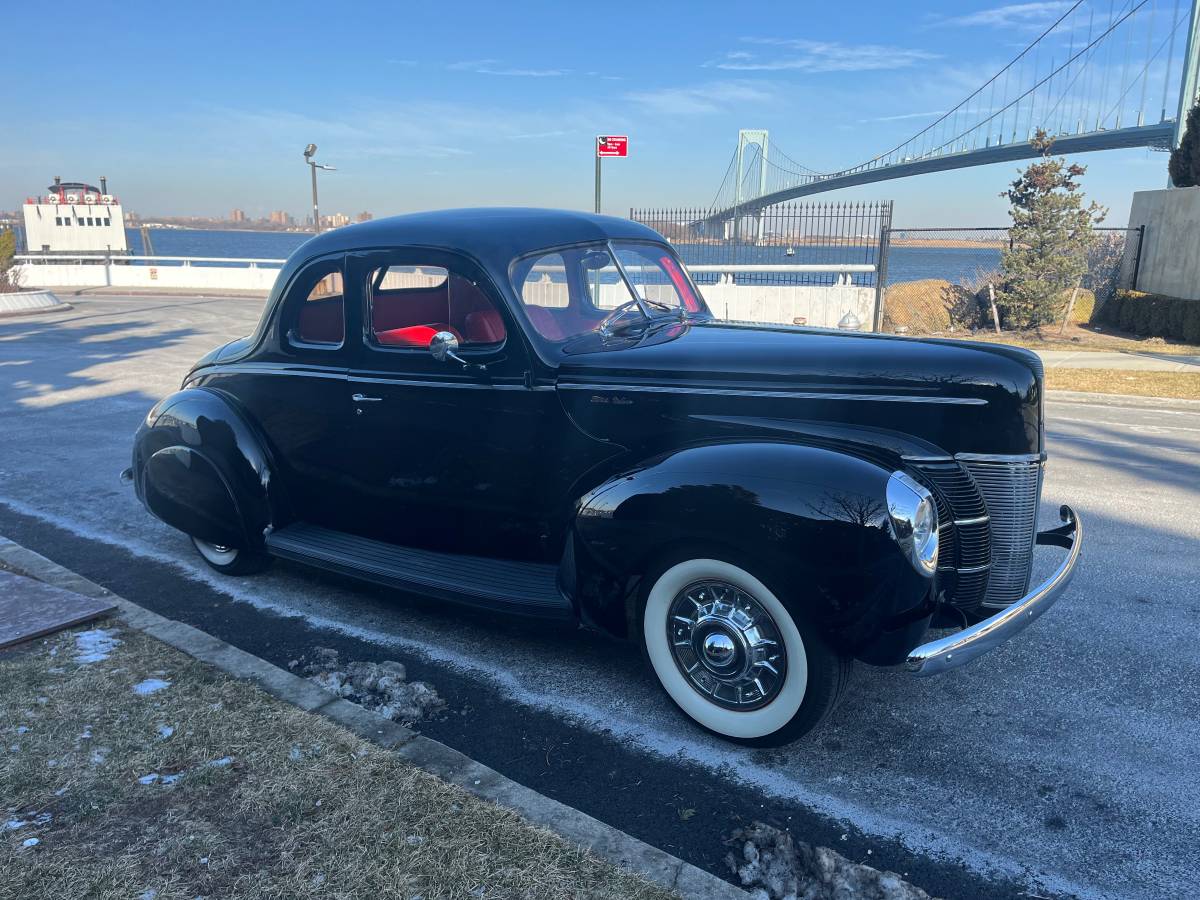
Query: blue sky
x: 198, y: 108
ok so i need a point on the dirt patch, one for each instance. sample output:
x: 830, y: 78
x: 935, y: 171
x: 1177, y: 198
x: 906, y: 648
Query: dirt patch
x: 381, y: 687
x: 207, y: 787
x: 774, y: 866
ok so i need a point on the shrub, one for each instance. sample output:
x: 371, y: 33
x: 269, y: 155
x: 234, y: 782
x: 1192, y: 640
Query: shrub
x: 1153, y: 315
x: 1191, y: 322
x: 1110, y: 312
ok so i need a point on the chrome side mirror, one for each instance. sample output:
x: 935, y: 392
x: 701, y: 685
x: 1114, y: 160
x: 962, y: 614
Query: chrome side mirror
x: 444, y: 346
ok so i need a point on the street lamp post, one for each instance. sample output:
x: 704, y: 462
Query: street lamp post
x: 309, y: 152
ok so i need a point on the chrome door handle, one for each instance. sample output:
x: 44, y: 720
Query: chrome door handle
x: 363, y: 398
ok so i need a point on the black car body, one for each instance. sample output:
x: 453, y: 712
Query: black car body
x: 585, y: 434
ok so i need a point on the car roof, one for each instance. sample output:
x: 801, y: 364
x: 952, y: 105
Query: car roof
x: 494, y: 235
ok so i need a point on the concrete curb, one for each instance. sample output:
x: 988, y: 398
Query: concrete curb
x: 607, y: 842
x: 1134, y: 400
x: 25, y: 303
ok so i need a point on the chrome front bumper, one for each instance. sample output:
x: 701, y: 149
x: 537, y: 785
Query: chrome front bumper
x: 960, y: 648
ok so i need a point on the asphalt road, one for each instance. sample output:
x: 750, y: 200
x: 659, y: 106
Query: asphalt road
x: 1064, y: 763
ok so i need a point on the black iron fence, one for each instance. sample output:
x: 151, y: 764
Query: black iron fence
x: 952, y: 280
x: 821, y: 237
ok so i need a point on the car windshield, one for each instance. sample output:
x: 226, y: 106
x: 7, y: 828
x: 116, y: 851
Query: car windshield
x: 604, y: 287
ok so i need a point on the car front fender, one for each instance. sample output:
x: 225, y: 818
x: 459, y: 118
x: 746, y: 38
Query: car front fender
x: 201, y: 467
x: 809, y: 521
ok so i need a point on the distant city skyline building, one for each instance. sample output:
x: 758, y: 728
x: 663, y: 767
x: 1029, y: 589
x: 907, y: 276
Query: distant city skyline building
x: 237, y: 215
x: 279, y: 217
x: 335, y: 220
x: 364, y: 216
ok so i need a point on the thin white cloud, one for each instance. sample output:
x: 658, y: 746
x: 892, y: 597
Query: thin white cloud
x: 700, y: 99
x: 916, y: 115
x: 802, y: 55
x: 1020, y: 15
x: 402, y: 62
x: 496, y: 67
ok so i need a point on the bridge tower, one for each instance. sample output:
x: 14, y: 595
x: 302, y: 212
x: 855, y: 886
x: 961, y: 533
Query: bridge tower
x: 1189, y: 85
x: 750, y: 137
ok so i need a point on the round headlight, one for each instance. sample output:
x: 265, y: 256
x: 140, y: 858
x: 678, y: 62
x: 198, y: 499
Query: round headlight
x: 914, y: 521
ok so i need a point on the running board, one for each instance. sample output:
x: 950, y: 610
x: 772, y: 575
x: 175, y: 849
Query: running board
x: 529, y: 589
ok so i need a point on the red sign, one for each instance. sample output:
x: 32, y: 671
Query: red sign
x: 612, y: 145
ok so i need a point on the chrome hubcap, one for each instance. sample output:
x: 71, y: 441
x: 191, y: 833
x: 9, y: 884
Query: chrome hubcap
x: 727, y: 645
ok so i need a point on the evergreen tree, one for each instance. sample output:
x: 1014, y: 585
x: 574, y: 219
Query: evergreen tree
x: 1185, y: 159
x: 8, y: 246
x: 1050, y: 237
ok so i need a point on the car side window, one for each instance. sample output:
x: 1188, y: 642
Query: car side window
x: 321, y: 319
x: 408, y: 305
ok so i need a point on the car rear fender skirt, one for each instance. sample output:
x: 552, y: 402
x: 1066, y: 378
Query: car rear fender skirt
x: 201, y: 467
x: 809, y: 521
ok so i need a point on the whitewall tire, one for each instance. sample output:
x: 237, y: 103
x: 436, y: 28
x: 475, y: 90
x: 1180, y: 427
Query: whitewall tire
x: 230, y: 560
x: 732, y: 656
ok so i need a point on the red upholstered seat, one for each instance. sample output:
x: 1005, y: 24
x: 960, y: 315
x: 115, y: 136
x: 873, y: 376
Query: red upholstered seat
x: 483, y: 327
x: 543, y: 320
x: 412, y: 335
x: 321, y: 321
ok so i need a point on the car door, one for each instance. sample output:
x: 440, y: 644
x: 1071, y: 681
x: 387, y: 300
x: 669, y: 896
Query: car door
x: 295, y: 392
x: 447, y: 456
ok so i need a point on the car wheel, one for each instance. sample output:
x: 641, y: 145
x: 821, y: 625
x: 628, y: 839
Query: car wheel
x: 733, y: 658
x: 231, y: 560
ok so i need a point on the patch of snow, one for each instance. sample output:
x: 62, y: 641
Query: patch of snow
x: 295, y: 754
x: 164, y: 732
x: 22, y: 729
x: 414, y: 840
x: 381, y: 687
x: 150, y: 686
x: 155, y: 778
x: 60, y: 792
x: 86, y: 734
x: 148, y: 894
x: 776, y: 867
x: 14, y: 824
x: 221, y: 763
x: 30, y: 842
x: 95, y: 645
x: 100, y: 755
x: 53, y: 651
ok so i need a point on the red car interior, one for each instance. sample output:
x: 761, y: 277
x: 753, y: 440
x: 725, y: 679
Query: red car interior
x: 321, y: 321
x: 410, y: 317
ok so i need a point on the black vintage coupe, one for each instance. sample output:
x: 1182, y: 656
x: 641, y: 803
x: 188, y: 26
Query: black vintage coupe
x: 534, y: 411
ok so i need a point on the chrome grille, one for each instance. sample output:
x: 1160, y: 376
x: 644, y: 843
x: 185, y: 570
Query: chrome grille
x: 1011, y: 488
x: 963, y: 528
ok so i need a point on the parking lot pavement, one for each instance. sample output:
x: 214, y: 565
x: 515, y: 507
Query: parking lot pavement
x: 1066, y: 759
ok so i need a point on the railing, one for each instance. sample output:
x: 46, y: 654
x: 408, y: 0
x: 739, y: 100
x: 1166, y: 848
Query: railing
x: 120, y: 259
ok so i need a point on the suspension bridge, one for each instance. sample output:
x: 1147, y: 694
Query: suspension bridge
x: 1104, y: 75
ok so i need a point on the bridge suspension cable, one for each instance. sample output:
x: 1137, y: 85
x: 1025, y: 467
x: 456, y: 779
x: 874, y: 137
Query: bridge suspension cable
x: 1086, y: 78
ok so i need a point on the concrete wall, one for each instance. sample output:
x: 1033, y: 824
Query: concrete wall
x: 207, y: 278
x: 1170, y: 261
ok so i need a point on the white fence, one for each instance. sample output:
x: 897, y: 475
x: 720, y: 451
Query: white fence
x: 181, y: 272
x: 817, y: 305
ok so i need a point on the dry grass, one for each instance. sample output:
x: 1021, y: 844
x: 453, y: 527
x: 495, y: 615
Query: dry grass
x: 304, y: 809
x: 1084, y: 337
x: 1184, y: 385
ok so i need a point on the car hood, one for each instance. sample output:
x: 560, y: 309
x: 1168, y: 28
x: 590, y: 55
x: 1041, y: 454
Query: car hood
x: 952, y: 396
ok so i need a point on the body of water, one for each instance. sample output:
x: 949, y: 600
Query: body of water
x: 905, y: 263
